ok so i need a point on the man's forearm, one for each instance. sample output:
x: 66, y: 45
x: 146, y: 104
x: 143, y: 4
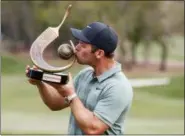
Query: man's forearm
x: 83, y: 116
x: 51, y: 97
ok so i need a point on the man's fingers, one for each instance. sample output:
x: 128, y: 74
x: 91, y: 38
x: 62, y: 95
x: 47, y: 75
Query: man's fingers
x: 26, y: 71
x: 27, y: 67
x: 53, y: 85
x: 70, y: 76
x: 34, y: 67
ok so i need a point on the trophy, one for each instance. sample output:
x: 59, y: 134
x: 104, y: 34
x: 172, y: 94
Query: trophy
x: 47, y: 72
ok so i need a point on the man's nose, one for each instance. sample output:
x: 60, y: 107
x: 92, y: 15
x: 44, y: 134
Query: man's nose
x: 77, y: 47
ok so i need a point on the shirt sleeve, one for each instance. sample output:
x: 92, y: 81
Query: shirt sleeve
x: 112, y: 103
x: 75, y: 81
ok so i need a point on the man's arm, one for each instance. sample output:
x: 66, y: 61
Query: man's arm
x: 86, y: 119
x: 111, y: 104
x: 50, y: 96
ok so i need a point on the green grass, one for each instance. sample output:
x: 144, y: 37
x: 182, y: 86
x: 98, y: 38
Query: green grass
x: 165, y: 101
x: 146, y: 105
x: 18, y: 94
x: 148, y: 109
x: 12, y: 65
x: 15, y: 65
x: 150, y: 104
x: 174, y: 90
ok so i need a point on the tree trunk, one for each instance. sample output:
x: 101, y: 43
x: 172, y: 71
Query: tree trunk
x: 28, y: 23
x: 164, y: 54
x: 124, y: 57
x: 134, y: 61
x: 146, y: 53
x: 14, y: 25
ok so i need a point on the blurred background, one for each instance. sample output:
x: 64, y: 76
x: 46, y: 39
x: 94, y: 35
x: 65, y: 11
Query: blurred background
x: 151, y: 50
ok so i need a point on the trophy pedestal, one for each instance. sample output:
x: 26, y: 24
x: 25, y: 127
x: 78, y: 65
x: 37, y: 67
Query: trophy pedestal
x: 48, y: 77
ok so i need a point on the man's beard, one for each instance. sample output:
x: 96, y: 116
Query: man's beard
x: 79, y: 61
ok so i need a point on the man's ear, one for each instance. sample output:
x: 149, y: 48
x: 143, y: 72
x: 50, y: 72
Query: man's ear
x: 99, y: 53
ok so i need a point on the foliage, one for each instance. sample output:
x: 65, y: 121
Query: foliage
x: 48, y: 13
x: 134, y: 21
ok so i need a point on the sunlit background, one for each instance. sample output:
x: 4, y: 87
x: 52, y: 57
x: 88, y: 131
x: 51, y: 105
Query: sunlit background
x: 151, y: 50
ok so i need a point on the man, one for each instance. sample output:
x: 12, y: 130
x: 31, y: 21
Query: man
x: 101, y: 95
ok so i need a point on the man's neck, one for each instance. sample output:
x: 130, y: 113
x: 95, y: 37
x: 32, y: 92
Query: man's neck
x: 102, y: 66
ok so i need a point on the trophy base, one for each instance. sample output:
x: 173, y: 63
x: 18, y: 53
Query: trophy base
x: 48, y: 77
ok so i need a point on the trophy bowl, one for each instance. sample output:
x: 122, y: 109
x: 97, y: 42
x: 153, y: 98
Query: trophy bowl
x: 49, y: 73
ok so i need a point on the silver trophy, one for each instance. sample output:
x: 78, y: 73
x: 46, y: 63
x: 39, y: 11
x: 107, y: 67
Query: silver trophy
x: 47, y: 72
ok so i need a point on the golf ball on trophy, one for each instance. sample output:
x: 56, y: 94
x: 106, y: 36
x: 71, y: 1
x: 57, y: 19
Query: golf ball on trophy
x: 65, y: 51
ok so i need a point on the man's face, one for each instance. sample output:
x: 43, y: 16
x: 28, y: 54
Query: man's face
x: 84, y: 54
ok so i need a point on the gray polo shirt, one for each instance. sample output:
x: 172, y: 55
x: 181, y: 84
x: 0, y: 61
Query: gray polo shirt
x: 108, y: 96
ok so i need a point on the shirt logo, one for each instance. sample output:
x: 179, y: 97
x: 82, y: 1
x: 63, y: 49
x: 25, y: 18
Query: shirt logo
x: 89, y: 27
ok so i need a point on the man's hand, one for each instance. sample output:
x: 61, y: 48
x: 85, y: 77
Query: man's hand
x: 32, y: 81
x: 65, y: 90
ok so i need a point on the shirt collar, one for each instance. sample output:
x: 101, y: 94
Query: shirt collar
x: 116, y: 68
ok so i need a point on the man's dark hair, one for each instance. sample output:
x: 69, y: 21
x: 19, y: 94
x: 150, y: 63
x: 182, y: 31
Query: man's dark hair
x: 108, y: 55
